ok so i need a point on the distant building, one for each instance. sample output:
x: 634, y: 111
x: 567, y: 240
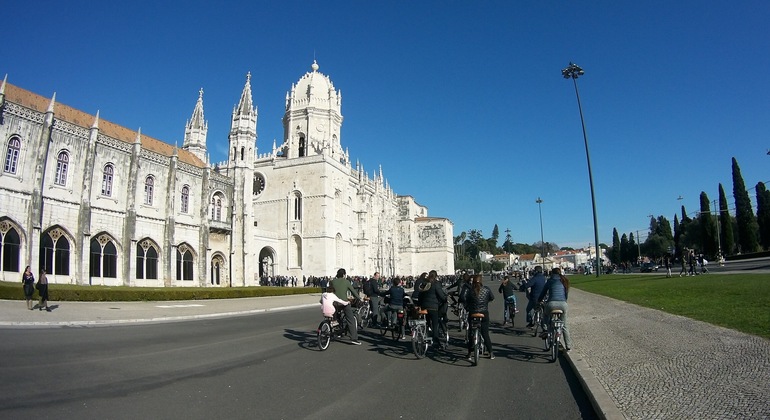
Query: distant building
x: 96, y: 203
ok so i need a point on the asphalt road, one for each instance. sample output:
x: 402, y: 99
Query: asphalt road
x: 268, y: 366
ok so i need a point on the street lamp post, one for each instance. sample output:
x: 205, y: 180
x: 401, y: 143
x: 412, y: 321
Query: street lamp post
x: 573, y: 71
x: 542, y: 242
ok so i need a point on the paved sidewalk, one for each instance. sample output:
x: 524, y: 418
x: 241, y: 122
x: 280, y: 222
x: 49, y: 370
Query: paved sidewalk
x: 654, y: 365
x: 634, y: 362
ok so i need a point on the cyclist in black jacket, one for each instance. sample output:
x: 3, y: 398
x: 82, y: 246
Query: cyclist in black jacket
x: 477, y: 299
x: 395, y: 295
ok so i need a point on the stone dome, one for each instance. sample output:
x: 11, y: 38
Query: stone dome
x: 313, y: 87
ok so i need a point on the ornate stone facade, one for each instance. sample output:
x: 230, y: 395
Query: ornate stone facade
x: 96, y: 203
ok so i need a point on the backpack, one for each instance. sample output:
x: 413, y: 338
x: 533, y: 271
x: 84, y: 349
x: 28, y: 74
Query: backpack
x: 368, y: 287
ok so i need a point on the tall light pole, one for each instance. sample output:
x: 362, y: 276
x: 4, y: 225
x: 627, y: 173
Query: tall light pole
x: 542, y: 242
x: 573, y: 71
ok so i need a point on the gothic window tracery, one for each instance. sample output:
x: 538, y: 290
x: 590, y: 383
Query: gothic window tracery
x: 55, y: 252
x: 297, y: 205
x: 104, y: 257
x: 10, y: 246
x: 147, y: 260
x: 184, y: 263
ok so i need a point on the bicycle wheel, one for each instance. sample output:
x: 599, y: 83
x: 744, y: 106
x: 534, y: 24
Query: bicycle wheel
x: 444, y: 334
x: 365, y: 316
x: 554, y: 346
x: 476, y: 346
x: 536, y: 320
x: 324, y: 335
x: 419, y: 343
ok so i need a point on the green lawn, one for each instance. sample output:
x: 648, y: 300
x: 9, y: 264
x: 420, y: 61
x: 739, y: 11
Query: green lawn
x: 737, y: 301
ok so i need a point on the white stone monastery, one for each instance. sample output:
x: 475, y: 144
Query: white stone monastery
x: 92, y: 202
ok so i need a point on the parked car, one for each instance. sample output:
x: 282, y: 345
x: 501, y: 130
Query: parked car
x: 649, y: 267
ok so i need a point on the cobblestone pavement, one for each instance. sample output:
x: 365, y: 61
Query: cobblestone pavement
x: 655, y: 365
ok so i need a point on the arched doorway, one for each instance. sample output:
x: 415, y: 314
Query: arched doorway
x: 266, y: 262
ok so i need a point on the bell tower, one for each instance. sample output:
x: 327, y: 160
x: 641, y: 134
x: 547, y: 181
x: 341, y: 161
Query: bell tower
x: 195, y: 131
x: 312, y: 121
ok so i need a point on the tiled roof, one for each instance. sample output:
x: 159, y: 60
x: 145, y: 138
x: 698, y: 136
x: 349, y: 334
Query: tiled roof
x: 74, y: 116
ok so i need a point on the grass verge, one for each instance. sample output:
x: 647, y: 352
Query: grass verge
x: 737, y: 301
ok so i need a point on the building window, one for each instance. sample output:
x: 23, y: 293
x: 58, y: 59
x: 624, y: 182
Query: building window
x: 10, y: 247
x: 55, y: 253
x: 62, y: 163
x: 216, y: 270
x: 184, y: 263
x: 149, y: 184
x: 297, y: 206
x: 104, y: 257
x: 107, y: 174
x: 12, y: 155
x: 146, y: 261
x: 185, y: 199
x: 216, y: 207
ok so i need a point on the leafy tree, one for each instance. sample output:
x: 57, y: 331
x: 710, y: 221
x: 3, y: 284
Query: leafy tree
x: 677, y: 237
x: 763, y: 214
x: 725, y: 224
x: 748, y: 236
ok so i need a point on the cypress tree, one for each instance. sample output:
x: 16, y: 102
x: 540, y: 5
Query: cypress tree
x: 748, y: 230
x: 624, y: 254
x: 615, y: 254
x: 708, y: 226
x: 763, y: 214
x: 725, y: 224
x: 677, y: 236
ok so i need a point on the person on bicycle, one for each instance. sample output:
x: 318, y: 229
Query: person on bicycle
x: 456, y: 288
x: 431, y: 296
x: 535, y: 287
x: 477, y: 299
x: 371, y: 289
x: 395, y: 297
x: 507, y: 288
x: 557, y: 289
x: 342, y: 286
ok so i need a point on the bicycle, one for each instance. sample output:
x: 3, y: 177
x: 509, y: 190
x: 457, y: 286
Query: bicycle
x: 335, y: 326
x: 537, y: 319
x: 364, y: 314
x: 554, y: 335
x: 421, y: 340
x: 397, y: 329
x: 478, y: 339
x: 510, y: 310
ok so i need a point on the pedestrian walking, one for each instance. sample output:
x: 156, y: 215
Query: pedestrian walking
x: 42, y: 289
x: 28, y: 283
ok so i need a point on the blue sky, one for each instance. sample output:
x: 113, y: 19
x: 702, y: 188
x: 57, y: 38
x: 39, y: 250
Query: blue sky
x: 461, y: 103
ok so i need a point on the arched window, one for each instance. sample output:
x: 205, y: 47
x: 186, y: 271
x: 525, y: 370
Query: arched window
x: 10, y: 246
x: 243, y: 150
x: 107, y: 174
x: 301, y: 145
x: 185, y: 199
x: 149, y: 184
x: 216, y: 207
x: 104, y: 257
x: 55, y: 253
x: 146, y: 260
x: 184, y: 263
x: 296, y: 250
x: 217, y: 263
x: 297, y: 206
x: 12, y: 155
x: 62, y: 164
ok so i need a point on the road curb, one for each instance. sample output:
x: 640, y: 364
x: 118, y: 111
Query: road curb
x: 603, y: 404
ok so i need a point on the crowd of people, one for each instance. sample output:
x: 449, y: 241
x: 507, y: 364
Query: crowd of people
x: 434, y: 294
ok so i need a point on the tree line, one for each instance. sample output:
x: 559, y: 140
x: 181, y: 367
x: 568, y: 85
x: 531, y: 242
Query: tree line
x: 721, y: 231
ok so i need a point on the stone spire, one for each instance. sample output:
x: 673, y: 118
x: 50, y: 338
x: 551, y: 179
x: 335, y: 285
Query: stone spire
x: 196, y: 131
x: 243, y: 129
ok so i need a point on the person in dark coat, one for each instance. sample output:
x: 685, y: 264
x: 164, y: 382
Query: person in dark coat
x: 42, y: 289
x: 28, y: 283
x: 477, y: 299
x: 431, y: 296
